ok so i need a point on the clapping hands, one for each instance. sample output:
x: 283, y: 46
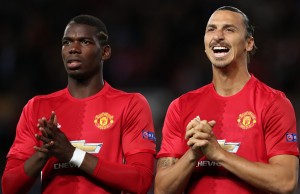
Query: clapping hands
x: 55, y: 141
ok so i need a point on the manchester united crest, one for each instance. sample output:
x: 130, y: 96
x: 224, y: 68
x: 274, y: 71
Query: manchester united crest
x: 246, y: 120
x: 103, y: 120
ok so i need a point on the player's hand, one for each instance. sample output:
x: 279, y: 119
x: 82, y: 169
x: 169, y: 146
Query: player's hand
x: 44, y: 149
x: 55, y: 141
x: 47, y: 143
x: 200, y: 136
x: 199, y: 133
x: 212, y: 150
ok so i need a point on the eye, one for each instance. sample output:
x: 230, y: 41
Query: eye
x: 65, y: 42
x: 209, y: 29
x: 230, y: 29
x: 86, y: 42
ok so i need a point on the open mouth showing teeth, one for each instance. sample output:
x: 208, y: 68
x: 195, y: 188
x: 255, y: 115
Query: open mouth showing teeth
x: 220, y: 51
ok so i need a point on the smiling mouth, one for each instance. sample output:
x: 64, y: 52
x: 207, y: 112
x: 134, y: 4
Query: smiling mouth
x: 220, y: 51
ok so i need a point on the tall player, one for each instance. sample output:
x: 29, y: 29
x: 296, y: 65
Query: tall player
x: 235, y: 135
x: 88, y: 137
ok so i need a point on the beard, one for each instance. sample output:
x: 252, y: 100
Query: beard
x: 220, y: 62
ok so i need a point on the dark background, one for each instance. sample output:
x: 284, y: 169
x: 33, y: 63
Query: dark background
x: 157, y: 50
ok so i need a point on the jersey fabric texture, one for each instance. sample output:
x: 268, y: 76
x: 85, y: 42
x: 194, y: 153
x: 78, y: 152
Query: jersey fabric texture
x: 111, y: 124
x: 256, y: 123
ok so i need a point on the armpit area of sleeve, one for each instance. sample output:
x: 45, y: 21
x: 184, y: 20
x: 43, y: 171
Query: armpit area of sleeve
x: 164, y: 155
x: 132, y: 152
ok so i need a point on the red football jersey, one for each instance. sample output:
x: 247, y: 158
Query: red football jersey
x: 256, y: 123
x: 111, y: 124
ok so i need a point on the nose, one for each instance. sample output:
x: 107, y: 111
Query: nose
x: 75, y: 48
x: 219, y: 35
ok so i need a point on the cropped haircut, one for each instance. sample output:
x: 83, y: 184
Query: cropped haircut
x: 102, y: 33
x: 249, y: 27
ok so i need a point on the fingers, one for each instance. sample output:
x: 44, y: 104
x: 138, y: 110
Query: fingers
x: 192, y: 127
x: 52, y: 117
x: 53, y: 121
x: 47, y: 127
x: 194, y: 122
x: 199, y: 132
x: 47, y: 144
x: 41, y: 149
x: 44, y: 139
x: 43, y: 131
x: 197, y: 138
x: 42, y: 122
x: 212, y: 123
x: 196, y: 144
x: 196, y: 125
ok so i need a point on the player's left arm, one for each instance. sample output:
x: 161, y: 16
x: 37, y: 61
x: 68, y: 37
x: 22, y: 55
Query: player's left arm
x: 280, y: 174
x: 135, y: 176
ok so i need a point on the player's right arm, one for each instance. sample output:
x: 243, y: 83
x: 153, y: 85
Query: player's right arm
x: 173, y: 169
x: 20, y: 175
x: 172, y: 174
x: 23, y: 163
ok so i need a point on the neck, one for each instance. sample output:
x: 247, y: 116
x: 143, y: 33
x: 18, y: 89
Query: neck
x: 228, y: 82
x: 83, y: 89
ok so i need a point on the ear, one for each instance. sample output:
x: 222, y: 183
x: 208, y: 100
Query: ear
x: 106, y: 52
x: 250, y: 44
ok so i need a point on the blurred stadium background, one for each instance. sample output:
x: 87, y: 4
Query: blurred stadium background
x: 157, y: 50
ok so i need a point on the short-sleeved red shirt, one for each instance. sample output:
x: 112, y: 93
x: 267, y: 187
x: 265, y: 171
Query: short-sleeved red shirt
x: 256, y: 123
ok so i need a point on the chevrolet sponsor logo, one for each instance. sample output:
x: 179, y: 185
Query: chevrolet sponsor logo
x: 229, y: 146
x: 92, y: 148
x: 207, y: 163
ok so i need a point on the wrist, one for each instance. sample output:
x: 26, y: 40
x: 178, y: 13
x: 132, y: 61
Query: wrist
x: 78, y: 157
x: 194, y: 155
x: 42, y: 156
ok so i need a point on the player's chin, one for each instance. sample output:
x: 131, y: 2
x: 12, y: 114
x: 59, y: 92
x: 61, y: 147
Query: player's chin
x: 76, y: 74
x: 219, y: 63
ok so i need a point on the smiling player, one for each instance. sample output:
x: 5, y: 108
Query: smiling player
x: 234, y: 135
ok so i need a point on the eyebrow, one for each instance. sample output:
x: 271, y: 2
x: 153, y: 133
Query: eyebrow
x: 224, y: 26
x: 78, y: 38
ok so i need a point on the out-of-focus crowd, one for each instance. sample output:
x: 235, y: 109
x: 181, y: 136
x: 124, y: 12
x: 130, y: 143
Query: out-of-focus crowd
x: 157, y: 50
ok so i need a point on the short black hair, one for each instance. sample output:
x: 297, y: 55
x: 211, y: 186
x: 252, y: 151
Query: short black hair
x: 90, y: 20
x: 249, y: 27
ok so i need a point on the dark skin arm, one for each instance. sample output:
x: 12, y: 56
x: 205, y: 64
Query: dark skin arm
x: 59, y: 146
x: 13, y: 179
x: 37, y: 161
x: 34, y: 165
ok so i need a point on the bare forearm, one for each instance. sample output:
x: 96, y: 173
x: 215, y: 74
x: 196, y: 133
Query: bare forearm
x: 34, y: 165
x: 275, y: 177
x: 173, y: 178
x: 89, y: 164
